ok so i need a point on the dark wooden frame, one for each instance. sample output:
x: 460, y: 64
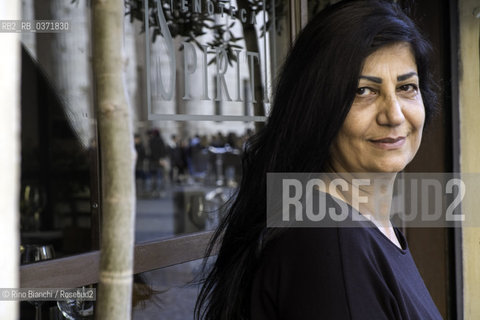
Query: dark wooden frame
x: 83, y: 269
x: 456, y: 233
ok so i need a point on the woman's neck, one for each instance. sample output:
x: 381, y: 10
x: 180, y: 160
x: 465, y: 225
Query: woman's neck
x: 369, y: 193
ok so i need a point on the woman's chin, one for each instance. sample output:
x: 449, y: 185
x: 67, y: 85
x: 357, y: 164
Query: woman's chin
x: 389, y: 166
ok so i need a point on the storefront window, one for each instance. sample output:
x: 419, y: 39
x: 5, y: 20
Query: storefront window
x: 200, y: 83
x: 199, y: 77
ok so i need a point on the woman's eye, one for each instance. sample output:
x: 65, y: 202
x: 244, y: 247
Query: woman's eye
x: 364, y: 91
x: 409, y: 88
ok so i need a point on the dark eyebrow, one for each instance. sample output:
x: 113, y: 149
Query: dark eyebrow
x: 404, y: 77
x: 373, y: 79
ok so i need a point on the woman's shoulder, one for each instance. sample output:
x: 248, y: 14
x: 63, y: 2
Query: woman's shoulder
x: 300, y: 276
x: 304, y: 248
x: 297, y: 241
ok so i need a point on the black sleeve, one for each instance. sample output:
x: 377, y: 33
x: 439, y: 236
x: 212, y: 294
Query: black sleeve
x: 300, y: 277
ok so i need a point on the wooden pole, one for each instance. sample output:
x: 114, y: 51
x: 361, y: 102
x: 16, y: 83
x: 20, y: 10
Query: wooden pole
x: 117, y: 162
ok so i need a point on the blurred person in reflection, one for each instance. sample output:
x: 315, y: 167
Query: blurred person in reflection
x: 194, y: 156
x: 218, y: 140
x: 178, y: 159
x: 353, y: 97
x: 140, y: 175
x: 158, y: 153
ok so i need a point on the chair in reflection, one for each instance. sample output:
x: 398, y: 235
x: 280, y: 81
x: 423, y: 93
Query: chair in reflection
x: 189, y: 210
x: 224, y: 166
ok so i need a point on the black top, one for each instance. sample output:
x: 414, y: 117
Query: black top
x: 339, y: 273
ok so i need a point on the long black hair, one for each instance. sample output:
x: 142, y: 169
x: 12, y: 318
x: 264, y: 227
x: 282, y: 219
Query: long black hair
x: 313, y: 95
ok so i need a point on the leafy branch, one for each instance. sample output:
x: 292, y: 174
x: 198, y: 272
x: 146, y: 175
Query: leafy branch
x: 190, y: 25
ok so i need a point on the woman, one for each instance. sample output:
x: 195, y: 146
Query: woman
x: 353, y: 96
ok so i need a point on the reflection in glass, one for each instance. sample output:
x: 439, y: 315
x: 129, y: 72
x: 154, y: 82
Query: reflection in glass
x: 200, y: 84
x: 36, y: 253
x: 32, y: 203
x: 58, y: 140
x: 183, y: 180
x: 57, y: 169
x: 73, y: 309
x: 168, y: 293
x: 199, y: 59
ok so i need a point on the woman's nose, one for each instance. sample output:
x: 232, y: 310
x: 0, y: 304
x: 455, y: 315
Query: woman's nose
x: 391, y: 112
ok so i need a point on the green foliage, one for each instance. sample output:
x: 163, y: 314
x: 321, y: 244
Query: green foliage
x: 190, y: 25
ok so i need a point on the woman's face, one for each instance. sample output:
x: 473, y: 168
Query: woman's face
x: 383, y: 129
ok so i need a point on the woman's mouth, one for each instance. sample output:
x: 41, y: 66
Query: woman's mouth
x: 389, y: 143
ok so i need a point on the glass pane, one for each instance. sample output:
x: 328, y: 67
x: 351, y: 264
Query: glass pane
x: 184, y: 172
x: 208, y: 58
x: 168, y: 293
x: 59, y: 186
x: 205, y: 60
x: 199, y: 77
x: 210, y: 103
